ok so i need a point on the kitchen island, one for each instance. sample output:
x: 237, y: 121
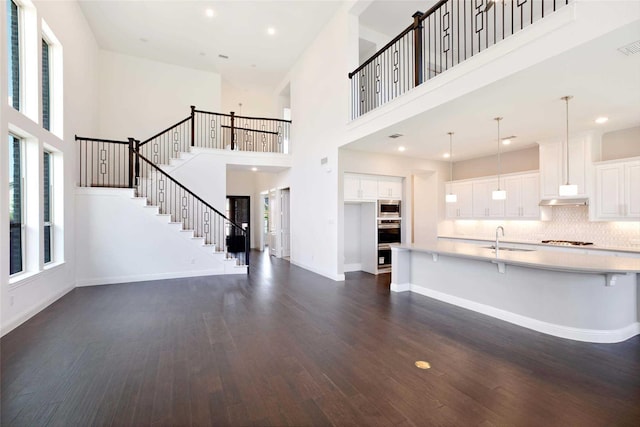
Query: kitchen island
x: 592, y: 298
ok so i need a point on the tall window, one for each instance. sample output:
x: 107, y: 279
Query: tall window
x: 47, y: 171
x: 46, y: 86
x: 13, y: 50
x: 16, y: 202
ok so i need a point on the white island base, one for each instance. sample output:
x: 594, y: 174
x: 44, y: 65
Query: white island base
x: 599, y: 307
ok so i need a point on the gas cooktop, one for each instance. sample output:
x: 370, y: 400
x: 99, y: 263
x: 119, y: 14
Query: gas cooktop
x: 566, y: 243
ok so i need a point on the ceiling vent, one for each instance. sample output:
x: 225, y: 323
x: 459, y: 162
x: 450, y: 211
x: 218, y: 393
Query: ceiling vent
x: 631, y: 48
x: 223, y: 56
x: 395, y: 135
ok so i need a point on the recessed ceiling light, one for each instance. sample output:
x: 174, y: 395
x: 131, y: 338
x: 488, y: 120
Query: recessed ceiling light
x: 209, y: 13
x: 601, y: 120
x: 271, y: 31
x: 446, y: 155
x: 506, y: 141
x: 254, y: 169
x: 401, y: 148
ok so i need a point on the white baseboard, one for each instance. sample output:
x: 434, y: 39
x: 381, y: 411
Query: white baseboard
x: 400, y: 287
x: 577, y: 334
x: 146, y: 277
x: 20, y: 319
x: 336, y: 277
x: 352, y: 267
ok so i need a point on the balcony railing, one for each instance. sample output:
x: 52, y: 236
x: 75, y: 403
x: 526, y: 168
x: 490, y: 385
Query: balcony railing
x: 446, y: 35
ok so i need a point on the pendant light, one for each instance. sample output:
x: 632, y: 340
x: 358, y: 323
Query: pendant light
x: 499, y: 194
x: 567, y: 189
x: 451, y: 198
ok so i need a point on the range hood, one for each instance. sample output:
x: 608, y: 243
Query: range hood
x: 583, y: 201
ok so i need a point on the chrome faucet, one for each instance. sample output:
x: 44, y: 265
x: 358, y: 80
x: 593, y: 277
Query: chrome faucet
x: 498, y: 228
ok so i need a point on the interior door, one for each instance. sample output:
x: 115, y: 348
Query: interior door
x: 273, y: 212
x: 238, y: 211
x: 285, y: 233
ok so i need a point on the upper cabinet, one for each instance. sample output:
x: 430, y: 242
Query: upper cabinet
x: 617, y: 195
x: 483, y: 204
x: 553, y: 166
x: 371, y: 187
x: 474, y: 198
x: 463, y: 207
x: 390, y: 188
x: 522, y: 196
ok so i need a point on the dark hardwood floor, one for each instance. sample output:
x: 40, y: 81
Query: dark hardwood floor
x: 288, y: 347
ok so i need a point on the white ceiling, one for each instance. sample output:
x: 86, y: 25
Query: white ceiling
x: 602, y: 80
x: 390, y: 17
x: 179, y: 32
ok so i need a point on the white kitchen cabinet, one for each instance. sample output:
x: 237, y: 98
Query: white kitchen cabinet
x: 553, y: 167
x: 390, y: 188
x: 522, y: 196
x: 463, y: 208
x: 483, y: 204
x: 618, y: 190
x: 360, y: 187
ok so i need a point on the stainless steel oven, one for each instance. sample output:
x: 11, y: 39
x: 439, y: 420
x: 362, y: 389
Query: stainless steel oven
x: 389, y: 231
x: 389, y: 209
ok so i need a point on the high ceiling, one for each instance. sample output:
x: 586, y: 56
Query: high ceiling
x: 181, y: 33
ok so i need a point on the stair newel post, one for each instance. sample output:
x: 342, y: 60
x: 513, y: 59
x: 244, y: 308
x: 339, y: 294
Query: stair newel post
x: 418, y: 77
x: 131, y: 142
x: 193, y: 125
x: 233, y: 131
x: 247, y: 246
x: 137, y: 170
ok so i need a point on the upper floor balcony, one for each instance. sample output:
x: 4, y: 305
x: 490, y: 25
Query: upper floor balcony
x: 449, y: 33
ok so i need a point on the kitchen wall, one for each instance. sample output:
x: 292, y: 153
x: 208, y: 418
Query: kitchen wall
x: 512, y: 161
x: 567, y: 223
x: 621, y: 144
x: 140, y: 97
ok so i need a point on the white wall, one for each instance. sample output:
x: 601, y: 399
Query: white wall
x: 24, y: 298
x: 319, y: 107
x: 140, y: 97
x: 255, y: 102
x: 119, y: 240
x: 621, y: 144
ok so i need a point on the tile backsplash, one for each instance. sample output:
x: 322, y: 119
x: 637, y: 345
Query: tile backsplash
x: 567, y: 223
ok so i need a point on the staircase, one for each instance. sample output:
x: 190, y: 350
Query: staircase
x: 144, y: 167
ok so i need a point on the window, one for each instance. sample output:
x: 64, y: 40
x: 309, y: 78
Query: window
x: 16, y: 203
x: 13, y: 50
x: 46, y: 190
x: 46, y: 86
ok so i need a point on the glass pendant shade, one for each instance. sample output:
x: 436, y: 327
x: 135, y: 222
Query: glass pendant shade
x: 498, y: 195
x: 451, y: 198
x: 568, y: 190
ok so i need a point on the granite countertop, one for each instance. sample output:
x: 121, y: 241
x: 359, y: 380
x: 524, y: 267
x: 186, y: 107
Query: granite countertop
x: 630, y: 249
x: 540, y: 258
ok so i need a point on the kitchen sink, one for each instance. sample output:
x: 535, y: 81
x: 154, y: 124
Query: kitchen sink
x: 507, y: 248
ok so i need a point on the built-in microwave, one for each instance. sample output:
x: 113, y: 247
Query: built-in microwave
x: 389, y: 209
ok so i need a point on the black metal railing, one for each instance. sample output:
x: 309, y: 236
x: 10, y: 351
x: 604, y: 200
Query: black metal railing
x: 446, y: 35
x: 121, y: 164
x: 241, y: 133
x: 105, y: 163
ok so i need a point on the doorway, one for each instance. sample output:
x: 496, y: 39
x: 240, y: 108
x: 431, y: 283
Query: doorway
x: 238, y: 211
